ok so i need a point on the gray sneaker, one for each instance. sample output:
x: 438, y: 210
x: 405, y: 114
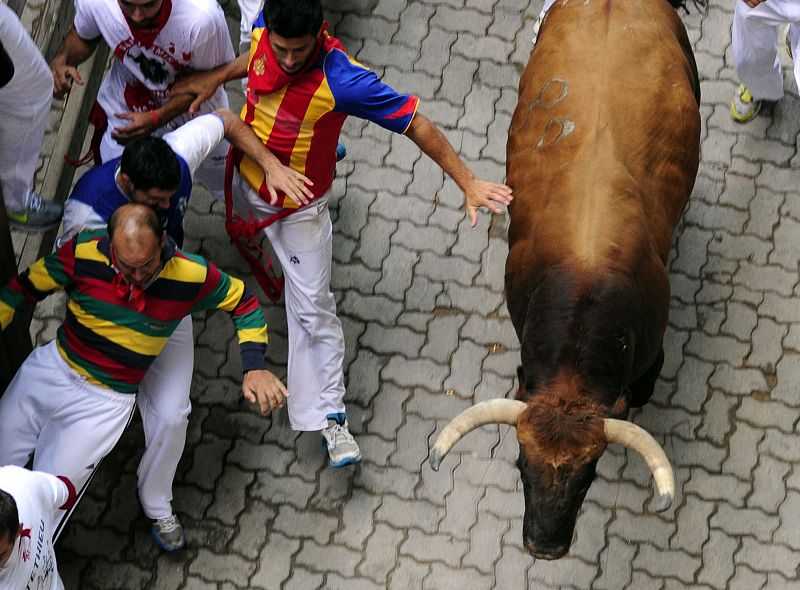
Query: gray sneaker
x: 168, y: 533
x: 38, y: 215
x: 342, y: 448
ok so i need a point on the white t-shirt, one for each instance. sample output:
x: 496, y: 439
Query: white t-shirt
x: 38, y: 495
x: 195, y: 36
x: 191, y: 142
x: 31, y: 87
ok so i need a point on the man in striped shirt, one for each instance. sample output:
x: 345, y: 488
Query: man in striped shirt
x: 128, y: 291
x: 301, y: 86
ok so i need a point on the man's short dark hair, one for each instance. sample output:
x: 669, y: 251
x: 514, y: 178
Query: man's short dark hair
x: 150, y: 163
x: 9, y: 517
x: 293, y: 18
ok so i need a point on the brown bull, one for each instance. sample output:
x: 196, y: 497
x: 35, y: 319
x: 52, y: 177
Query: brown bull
x: 602, y: 156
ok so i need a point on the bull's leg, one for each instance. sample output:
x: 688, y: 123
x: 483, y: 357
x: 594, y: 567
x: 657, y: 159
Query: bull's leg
x: 643, y: 387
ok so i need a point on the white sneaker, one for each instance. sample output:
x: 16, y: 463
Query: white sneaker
x: 342, y: 448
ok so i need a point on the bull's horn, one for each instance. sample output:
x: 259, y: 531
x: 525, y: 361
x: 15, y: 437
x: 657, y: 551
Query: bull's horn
x: 636, y: 438
x: 493, y: 411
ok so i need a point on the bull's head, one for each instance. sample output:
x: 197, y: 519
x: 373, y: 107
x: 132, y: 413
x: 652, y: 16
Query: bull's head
x: 556, y: 483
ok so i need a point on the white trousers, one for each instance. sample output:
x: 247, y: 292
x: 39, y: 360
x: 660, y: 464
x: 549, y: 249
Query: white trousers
x: 249, y: 10
x: 164, y: 405
x: 755, y: 39
x: 67, y: 424
x: 302, y: 242
x: 24, y: 105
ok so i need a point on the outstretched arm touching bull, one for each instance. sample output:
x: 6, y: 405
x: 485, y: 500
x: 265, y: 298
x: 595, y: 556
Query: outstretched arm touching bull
x: 477, y: 192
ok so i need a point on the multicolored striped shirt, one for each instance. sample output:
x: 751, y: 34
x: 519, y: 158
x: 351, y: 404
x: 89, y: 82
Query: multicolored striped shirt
x: 111, y: 334
x: 299, y: 117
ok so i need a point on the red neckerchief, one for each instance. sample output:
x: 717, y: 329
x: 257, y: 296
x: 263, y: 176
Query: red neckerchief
x: 147, y: 36
x: 124, y: 289
x: 265, y: 75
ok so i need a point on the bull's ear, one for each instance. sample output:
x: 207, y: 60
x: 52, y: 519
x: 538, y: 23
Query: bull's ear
x: 622, y: 405
x: 521, y: 383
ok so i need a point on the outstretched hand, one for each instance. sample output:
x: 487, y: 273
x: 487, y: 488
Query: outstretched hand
x: 481, y: 193
x: 263, y: 387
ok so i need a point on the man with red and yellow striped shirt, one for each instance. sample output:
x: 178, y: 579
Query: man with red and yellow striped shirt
x: 301, y: 87
x: 128, y: 290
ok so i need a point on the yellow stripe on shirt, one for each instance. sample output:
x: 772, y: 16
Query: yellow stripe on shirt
x: 322, y: 103
x: 130, y: 339
x: 254, y: 335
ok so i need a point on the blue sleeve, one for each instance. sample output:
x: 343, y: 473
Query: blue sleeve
x: 359, y: 92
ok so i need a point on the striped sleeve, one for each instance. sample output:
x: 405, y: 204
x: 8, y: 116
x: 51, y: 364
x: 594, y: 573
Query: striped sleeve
x: 222, y: 291
x: 47, y: 275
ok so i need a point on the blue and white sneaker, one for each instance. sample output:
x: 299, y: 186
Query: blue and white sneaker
x: 342, y: 448
x: 168, y: 533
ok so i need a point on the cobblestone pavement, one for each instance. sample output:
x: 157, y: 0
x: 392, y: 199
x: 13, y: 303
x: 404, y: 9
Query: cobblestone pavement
x: 420, y: 295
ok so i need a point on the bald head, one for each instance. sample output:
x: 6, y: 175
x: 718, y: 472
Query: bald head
x: 136, y: 242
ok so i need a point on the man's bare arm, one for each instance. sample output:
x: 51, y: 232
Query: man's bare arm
x: 202, y: 85
x: 477, y: 193
x: 74, y: 51
x: 277, y: 176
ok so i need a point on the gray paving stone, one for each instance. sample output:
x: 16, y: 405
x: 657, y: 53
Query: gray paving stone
x: 432, y: 548
x: 281, y: 491
x: 379, y: 480
x: 406, y: 514
x: 457, y: 77
x: 220, y: 568
x: 105, y: 575
x: 692, y: 384
x: 329, y: 558
x: 671, y: 563
x: 412, y: 446
x: 762, y: 557
x: 357, y: 520
x: 510, y: 569
x: 716, y: 418
x: 566, y: 573
x: 642, y: 528
x: 422, y: 295
x: 274, y: 563
x: 449, y: 578
x: 766, y: 340
x: 745, y: 578
x: 252, y: 533
x: 711, y: 487
x: 766, y: 414
x: 414, y: 373
x: 768, y: 477
x: 590, y: 535
x: 301, y: 524
x: 302, y: 579
x: 336, y: 582
x: 407, y: 574
x: 615, y: 561
x: 461, y: 512
x: 414, y: 23
x: 230, y: 494
x: 465, y: 369
x: 207, y: 463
